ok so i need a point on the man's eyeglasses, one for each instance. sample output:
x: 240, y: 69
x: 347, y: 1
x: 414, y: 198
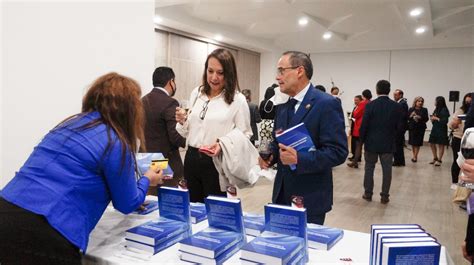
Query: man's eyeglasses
x: 202, y: 114
x: 281, y: 70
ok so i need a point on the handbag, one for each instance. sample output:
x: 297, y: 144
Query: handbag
x: 461, y: 194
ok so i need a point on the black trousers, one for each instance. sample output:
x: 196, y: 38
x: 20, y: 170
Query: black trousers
x: 456, y: 146
x: 201, y: 175
x: 354, y: 141
x: 27, y: 238
x: 399, y: 156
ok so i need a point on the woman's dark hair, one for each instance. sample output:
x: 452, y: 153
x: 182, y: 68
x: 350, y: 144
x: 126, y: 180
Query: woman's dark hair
x: 440, y: 103
x: 117, y: 99
x: 231, y: 85
x: 367, y: 94
x: 465, y: 106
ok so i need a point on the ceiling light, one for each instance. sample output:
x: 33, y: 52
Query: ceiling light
x: 218, y: 37
x: 157, y: 20
x: 416, y: 12
x: 420, y: 30
x: 303, y: 21
x: 327, y: 35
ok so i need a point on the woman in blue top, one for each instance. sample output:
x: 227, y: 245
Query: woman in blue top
x: 49, y: 208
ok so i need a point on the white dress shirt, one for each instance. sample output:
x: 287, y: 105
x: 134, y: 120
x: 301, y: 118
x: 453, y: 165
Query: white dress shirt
x: 300, y: 96
x: 219, y: 119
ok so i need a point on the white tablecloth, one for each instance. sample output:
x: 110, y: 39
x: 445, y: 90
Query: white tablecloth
x: 107, y: 245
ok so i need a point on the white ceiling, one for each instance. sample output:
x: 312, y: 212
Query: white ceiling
x: 264, y: 25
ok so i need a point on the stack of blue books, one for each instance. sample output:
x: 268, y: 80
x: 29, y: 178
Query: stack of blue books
x: 172, y: 225
x: 284, y: 239
x: 254, y: 224
x: 222, y: 239
x: 323, y: 237
x: 407, y: 244
x: 198, y: 212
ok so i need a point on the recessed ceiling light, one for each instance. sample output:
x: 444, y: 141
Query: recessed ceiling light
x: 327, y: 35
x: 420, y: 30
x: 157, y: 20
x: 218, y: 37
x: 416, y: 12
x: 303, y: 21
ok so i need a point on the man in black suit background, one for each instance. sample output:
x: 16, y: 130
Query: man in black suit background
x: 380, y: 125
x: 399, y: 156
x: 160, y: 122
x: 254, y: 115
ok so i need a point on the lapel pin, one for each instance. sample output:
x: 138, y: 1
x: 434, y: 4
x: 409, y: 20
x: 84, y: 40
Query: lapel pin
x: 308, y: 106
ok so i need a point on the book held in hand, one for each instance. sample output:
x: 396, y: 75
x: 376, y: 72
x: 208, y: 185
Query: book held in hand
x: 225, y: 231
x: 297, y: 137
x: 322, y: 237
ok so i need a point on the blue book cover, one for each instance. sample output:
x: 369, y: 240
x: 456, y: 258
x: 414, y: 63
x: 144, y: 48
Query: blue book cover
x: 174, y: 204
x: 218, y: 260
x: 297, y: 137
x: 375, y: 227
x: 254, y: 224
x: 411, y: 253
x: 153, y: 249
x: 225, y: 213
x: 168, y: 172
x: 386, y: 240
x: 322, y: 237
x: 287, y: 220
x: 383, y: 232
x: 389, y: 236
x: 198, y: 212
x: 148, y: 207
x: 156, y: 231
x: 211, y: 242
x: 144, y: 160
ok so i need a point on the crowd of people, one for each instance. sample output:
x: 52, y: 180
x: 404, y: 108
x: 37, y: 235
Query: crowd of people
x: 55, y: 200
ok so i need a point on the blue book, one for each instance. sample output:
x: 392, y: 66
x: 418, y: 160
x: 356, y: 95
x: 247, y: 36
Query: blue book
x: 224, y: 256
x: 144, y: 160
x: 322, y: 237
x: 254, y: 224
x: 297, y: 259
x: 168, y: 173
x: 391, y: 234
x: 376, y: 227
x: 226, y: 229
x: 297, y: 137
x: 149, y: 206
x: 198, y: 212
x: 153, y: 249
x: 273, y: 248
x: 156, y: 231
x: 174, y: 204
x: 411, y: 253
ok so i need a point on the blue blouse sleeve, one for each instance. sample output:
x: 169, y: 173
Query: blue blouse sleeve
x: 126, y: 192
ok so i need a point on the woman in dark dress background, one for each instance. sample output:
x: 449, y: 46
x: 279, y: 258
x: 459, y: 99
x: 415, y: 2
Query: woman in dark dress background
x: 417, y: 118
x: 439, y: 132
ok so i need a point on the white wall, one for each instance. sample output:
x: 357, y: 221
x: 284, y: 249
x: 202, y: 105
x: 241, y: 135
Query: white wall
x: 52, y: 52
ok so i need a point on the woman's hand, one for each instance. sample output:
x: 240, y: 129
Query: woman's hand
x: 181, y: 115
x: 155, y: 177
x: 468, y: 169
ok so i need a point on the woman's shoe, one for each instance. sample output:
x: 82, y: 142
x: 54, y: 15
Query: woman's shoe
x: 413, y: 160
x: 438, y: 163
x: 434, y: 161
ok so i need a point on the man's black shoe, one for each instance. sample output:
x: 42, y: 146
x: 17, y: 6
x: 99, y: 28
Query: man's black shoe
x: 367, y: 197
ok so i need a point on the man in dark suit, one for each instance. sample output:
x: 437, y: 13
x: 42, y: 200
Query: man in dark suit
x: 160, y: 123
x: 380, y: 125
x: 323, y: 117
x: 399, y: 156
x: 254, y: 115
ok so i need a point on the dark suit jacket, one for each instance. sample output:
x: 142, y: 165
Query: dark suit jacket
x: 254, y: 119
x: 380, y: 125
x: 323, y: 117
x: 160, y: 128
x: 403, y: 116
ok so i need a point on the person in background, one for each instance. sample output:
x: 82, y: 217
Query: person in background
x: 439, y: 131
x: 55, y: 200
x: 354, y: 139
x: 217, y: 108
x: 399, y: 156
x: 380, y: 125
x: 254, y: 115
x: 322, y: 115
x: 160, y: 123
x: 457, y: 127
x: 358, y: 116
x: 320, y: 87
x: 335, y: 93
x: 267, y: 113
x: 417, y: 118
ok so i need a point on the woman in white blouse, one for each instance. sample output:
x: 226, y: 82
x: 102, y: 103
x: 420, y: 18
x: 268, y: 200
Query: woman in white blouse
x: 217, y: 108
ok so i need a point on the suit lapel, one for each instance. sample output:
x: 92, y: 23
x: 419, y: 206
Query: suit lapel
x: 306, y: 105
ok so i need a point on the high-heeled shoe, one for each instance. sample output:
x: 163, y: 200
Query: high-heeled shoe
x: 434, y: 161
x: 413, y: 160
